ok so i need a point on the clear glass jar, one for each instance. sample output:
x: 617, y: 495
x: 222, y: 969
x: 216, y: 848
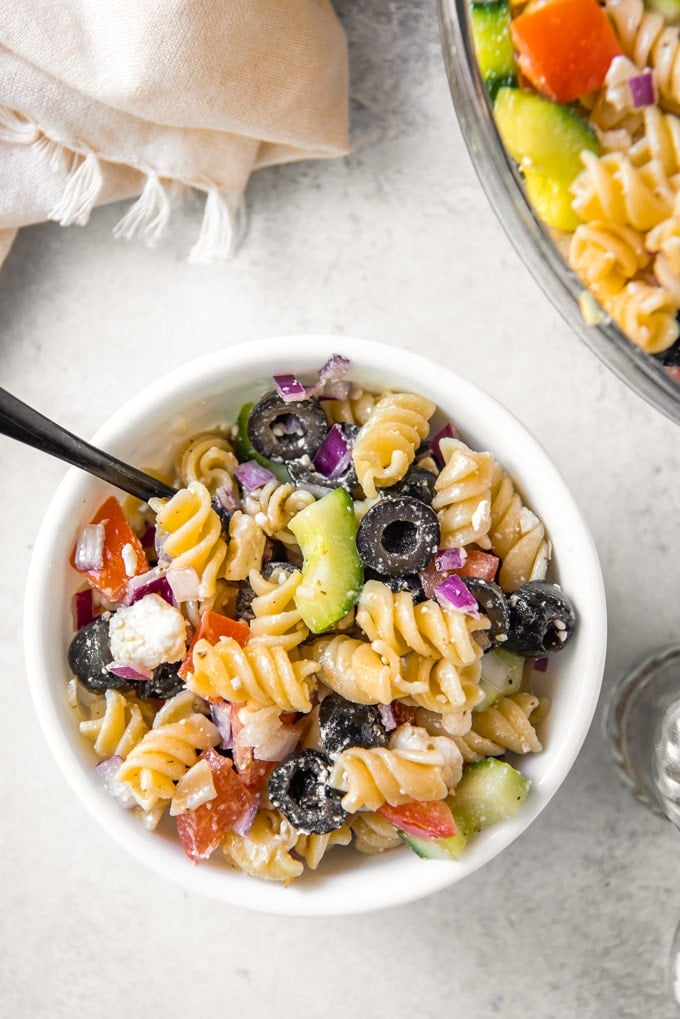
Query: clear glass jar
x: 531, y: 239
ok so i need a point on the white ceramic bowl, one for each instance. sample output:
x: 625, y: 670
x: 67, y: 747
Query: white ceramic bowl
x: 145, y: 431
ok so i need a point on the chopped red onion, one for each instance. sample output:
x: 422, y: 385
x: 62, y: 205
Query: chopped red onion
x: 184, y: 584
x: 130, y: 670
x: 148, y: 539
x: 449, y: 559
x: 121, y: 791
x: 253, y: 475
x: 334, y: 454
x: 245, y: 822
x: 642, y: 89
x: 151, y: 582
x: 89, y: 553
x: 226, y: 498
x: 220, y: 712
x: 540, y: 664
x: 447, y: 432
x: 83, y: 608
x: 453, y: 593
x: 387, y: 716
x: 290, y: 389
x: 335, y: 367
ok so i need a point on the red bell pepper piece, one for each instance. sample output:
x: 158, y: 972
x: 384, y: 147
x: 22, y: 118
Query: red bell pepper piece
x: 432, y: 820
x: 565, y: 47
x: 211, y: 627
x: 112, y: 578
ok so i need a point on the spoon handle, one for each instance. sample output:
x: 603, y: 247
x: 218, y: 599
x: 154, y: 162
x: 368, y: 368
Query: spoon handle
x: 21, y: 422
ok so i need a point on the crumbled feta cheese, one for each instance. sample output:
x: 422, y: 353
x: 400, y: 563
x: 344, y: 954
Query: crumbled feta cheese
x: 527, y: 520
x: 129, y: 559
x: 147, y: 633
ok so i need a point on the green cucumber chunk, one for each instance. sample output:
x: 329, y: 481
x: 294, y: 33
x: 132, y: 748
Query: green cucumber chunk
x: 332, y: 571
x: 668, y: 9
x: 244, y: 448
x: 493, y: 44
x: 489, y: 791
x: 502, y: 673
x: 546, y: 140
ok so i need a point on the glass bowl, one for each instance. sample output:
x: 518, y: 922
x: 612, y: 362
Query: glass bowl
x: 531, y: 239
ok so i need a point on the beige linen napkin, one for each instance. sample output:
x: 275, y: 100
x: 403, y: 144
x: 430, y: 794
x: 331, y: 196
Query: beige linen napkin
x: 102, y: 100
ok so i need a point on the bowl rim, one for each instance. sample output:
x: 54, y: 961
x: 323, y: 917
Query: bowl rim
x: 530, y: 238
x: 317, y: 898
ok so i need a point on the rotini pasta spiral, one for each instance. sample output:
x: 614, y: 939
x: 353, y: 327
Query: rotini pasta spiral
x: 193, y: 534
x: 314, y: 847
x: 394, y: 620
x: 386, y: 444
x: 266, y: 675
x: 606, y: 255
x: 647, y: 314
x: 361, y: 672
x: 209, y: 459
x: 163, y: 755
x: 265, y: 851
x: 118, y: 729
x: 611, y: 188
x: 355, y: 410
x: 277, y: 619
x: 374, y: 834
x: 659, y: 140
x: 506, y: 725
x: 448, y: 689
x: 246, y: 547
x: 462, y: 494
x: 273, y: 507
x: 517, y: 535
x: 649, y: 43
x: 402, y: 773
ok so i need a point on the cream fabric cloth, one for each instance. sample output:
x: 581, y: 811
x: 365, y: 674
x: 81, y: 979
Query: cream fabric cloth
x: 102, y: 100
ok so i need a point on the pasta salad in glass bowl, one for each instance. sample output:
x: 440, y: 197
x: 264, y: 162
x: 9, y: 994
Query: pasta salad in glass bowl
x: 349, y: 660
x: 570, y: 111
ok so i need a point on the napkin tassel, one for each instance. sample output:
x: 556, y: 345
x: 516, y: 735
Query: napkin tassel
x: 149, y: 215
x: 221, y: 229
x: 80, y: 192
x: 15, y: 129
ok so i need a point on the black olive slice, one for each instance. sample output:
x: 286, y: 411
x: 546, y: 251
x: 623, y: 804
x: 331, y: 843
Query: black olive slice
x: 398, y: 536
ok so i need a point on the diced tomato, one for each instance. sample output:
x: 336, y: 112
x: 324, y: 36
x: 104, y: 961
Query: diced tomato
x: 565, y: 47
x: 479, y: 564
x: 212, y: 626
x: 201, y: 830
x: 674, y: 372
x: 425, y: 820
x: 112, y: 578
x: 403, y: 713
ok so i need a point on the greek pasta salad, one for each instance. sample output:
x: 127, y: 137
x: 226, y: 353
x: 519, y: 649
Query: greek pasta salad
x: 586, y: 97
x: 333, y: 633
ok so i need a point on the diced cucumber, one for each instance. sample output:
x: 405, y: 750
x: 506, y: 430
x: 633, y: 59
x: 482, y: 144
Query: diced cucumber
x: 493, y: 44
x: 545, y: 139
x: 246, y: 451
x: 489, y: 791
x: 435, y: 849
x: 502, y: 673
x: 332, y: 571
x: 668, y: 9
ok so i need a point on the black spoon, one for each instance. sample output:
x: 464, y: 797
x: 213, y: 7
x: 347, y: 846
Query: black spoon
x: 21, y: 422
